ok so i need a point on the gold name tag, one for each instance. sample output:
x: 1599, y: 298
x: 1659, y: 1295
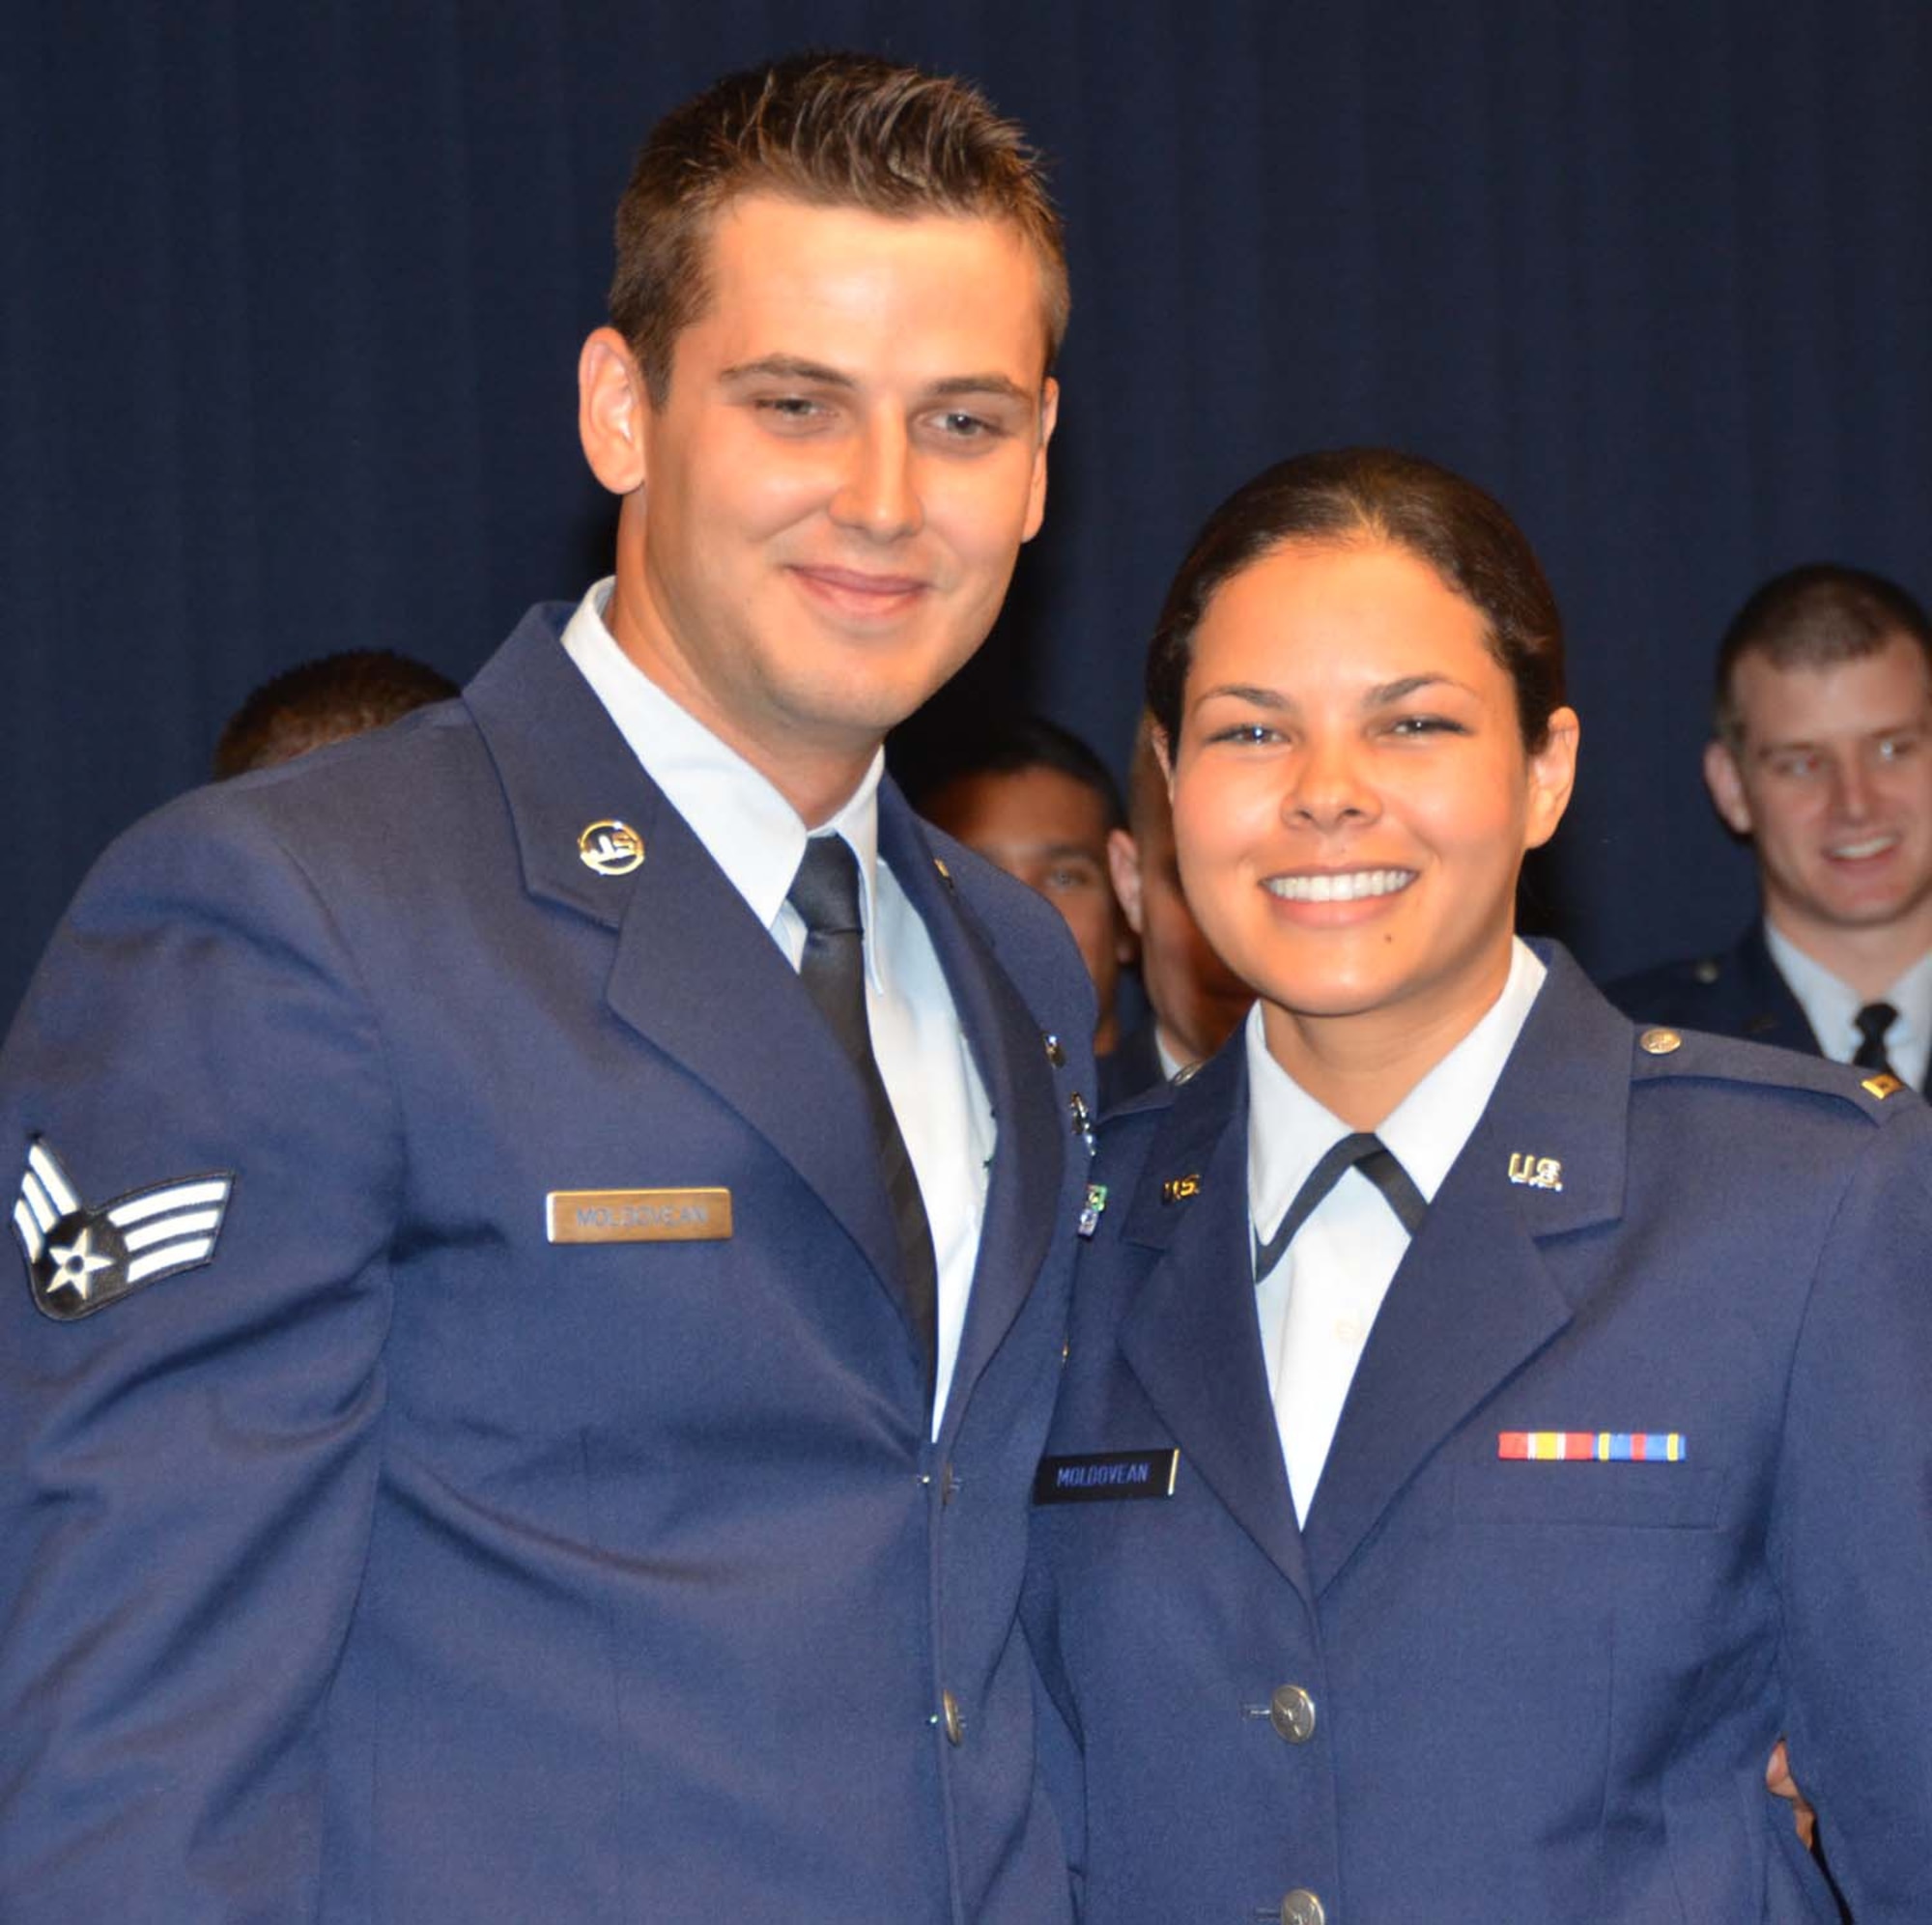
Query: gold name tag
x: 637, y: 1216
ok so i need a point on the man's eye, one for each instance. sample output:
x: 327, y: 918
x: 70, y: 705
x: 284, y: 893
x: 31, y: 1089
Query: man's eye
x: 790, y: 406
x: 958, y: 425
x: 1795, y: 768
x: 1895, y: 748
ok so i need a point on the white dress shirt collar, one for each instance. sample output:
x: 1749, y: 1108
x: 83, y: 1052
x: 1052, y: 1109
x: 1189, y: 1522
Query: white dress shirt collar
x: 1289, y: 1132
x: 752, y: 833
x: 1832, y: 1006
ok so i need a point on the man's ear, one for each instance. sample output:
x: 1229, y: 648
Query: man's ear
x: 1726, y: 784
x: 613, y: 408
x: 1049, y: 415
x: 1124, y: 864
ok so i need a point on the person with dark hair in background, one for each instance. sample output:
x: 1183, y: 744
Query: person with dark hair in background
x: 1033, y: 800
x: 1486, y: 1425
x: 1821, y: 756
x: 546, y: 1230
x: 1194, y: 1000
x: 322, y: 701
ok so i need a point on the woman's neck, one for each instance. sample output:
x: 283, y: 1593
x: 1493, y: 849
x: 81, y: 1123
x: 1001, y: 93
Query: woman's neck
x: 1360, y: 1066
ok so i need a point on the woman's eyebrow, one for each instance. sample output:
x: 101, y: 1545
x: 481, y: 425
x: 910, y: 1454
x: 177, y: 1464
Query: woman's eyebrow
x: 1247, y: 691
x: 1410, y: 685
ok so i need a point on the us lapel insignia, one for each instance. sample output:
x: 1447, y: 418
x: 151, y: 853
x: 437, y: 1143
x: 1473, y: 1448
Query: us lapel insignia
x: 81, y: 1256
x: 611, y: 848
x: 1882, y: 1086
x: 1177, y: 1188
x: 1539, y: 1173
x: 1090, y: 1210
x: 1599, y: 1446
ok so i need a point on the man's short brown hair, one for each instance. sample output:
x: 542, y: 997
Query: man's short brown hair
x: 825, y: 130
x: 1813, y: 617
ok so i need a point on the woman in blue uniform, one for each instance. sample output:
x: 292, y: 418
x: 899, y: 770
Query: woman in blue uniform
x: 1486, y: 1425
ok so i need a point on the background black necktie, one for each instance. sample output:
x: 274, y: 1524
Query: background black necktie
x: 1874, y: 1023
x: 825, y: 892
x: 1377, y: 1164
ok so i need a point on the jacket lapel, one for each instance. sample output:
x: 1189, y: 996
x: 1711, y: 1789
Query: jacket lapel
x: 1473, y: 1299
x: 1190, y: 1333
x: 1023, y: 1191
x: 1773, y: 1013
x: 694, y: 973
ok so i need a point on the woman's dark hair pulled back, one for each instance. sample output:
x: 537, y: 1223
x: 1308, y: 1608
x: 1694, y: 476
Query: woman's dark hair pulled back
x: 1349, y: 497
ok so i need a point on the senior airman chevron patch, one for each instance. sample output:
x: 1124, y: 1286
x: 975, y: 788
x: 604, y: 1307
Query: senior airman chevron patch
x: 82, y: 1257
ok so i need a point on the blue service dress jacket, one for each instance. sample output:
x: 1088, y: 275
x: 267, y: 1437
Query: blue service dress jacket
x: 1482, y: 1683
x: 394, y: 1561
x: 1741, y: 992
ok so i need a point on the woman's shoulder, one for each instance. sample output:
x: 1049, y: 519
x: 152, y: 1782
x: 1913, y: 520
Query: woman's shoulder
x: 1724, y: 1069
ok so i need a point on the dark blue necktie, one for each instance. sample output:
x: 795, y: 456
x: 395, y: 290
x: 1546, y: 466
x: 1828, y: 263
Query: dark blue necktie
x: 1874, y: 1023
x: 825, y: 892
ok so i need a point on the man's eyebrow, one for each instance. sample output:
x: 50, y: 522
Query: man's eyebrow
x: 788, y: 367
x: 1003, y: 386
x: 795, y: 367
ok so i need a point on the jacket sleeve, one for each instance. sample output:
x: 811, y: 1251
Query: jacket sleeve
x: 187, y: 1473
x: 1851, y: 1533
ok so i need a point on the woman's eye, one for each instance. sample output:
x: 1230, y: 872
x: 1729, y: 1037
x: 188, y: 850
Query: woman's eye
x: 1426, y: 725
x: 1244, y: 732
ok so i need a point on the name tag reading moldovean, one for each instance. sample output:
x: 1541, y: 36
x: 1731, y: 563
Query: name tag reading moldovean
x: 637, y: 1216
x: 1107, y: 1476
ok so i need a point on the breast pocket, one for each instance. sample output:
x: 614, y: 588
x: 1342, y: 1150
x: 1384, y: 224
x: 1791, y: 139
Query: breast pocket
x: 1619, y: 1496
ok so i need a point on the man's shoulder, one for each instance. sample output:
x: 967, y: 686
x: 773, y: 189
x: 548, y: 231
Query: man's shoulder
x: 1735, y: 991
x: 417, y: 782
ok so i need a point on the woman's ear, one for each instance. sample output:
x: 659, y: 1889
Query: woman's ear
x: 1552, y: 774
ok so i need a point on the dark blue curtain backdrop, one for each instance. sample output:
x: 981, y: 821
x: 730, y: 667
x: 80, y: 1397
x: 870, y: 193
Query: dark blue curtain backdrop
x: 290, y: 300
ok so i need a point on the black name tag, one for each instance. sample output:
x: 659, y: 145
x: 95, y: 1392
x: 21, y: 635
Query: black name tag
x: 1106, y: 1477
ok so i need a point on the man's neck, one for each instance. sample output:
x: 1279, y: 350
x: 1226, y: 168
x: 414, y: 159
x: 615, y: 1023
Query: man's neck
x: 818, y: 779
x: 1867, y: 961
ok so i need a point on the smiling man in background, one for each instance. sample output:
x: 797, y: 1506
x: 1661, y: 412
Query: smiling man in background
x: 1037, y: 802
x: 542, y: 1227
x: 1822, y: 758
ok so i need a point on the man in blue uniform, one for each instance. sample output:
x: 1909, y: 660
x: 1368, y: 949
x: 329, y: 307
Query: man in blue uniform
x: 1037, y: 802
x: 1822, y: 756
x: 1194, y: 1000
x: 540, y: 1287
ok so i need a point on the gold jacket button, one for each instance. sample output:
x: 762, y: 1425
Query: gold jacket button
x: 1302, y: 1908
x: 1659, y: 1042
x: 955, y: 1725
